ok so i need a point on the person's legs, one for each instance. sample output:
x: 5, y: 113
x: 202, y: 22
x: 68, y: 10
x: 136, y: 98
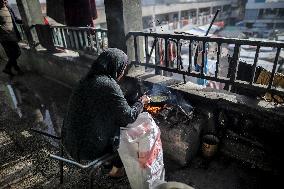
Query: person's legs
x: 13, y: 52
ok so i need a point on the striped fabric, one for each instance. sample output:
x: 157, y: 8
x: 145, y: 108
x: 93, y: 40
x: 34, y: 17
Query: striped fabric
x: 6, y: 26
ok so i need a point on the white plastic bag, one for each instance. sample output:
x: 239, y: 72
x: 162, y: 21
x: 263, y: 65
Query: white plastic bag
x: 141, y: 152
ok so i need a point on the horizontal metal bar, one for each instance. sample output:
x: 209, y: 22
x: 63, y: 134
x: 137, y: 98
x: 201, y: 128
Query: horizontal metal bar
x: 46, y: 134
x: 237, y: 83
x: 212, y: 39
x: 96, y: 162
x: 192, y: 74
x: 80, y: 28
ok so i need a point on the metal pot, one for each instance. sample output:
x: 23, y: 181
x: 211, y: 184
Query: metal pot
x: 159, y: 100
x: 209, y: 145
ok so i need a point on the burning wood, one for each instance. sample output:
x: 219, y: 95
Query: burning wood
x: 153, y: 110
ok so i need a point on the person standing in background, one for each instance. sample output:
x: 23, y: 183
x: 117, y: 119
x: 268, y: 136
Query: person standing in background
x: 80, y: 13
x: 9, y: 37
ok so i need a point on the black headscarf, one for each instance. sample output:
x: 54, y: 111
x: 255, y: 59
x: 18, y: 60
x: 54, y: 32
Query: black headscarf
x: 111, y: 62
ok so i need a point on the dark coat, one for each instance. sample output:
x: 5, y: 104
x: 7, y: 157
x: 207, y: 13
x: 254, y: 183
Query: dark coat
x: 97, y: 109
x: 80, y: 13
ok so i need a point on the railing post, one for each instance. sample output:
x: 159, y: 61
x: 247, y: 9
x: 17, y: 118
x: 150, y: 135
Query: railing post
x: 274, y: 68
x: 189, y: 56
x: 218, y: 59
x: 254, y: 65
x: 166, y: 61
x: 157, y: 56
x: 233, y: 68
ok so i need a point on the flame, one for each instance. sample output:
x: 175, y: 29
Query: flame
x: 153, y: 109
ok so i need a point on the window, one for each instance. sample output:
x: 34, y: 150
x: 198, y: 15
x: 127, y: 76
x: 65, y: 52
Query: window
x: 251, y: 14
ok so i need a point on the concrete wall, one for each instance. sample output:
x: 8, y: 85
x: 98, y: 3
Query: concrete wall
x: 66, y: 68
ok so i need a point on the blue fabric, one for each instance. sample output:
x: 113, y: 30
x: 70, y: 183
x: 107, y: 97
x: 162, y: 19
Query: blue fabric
x: 198, y: 68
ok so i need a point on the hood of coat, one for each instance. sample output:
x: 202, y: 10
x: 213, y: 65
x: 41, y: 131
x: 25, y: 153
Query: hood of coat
x: 111, y: 62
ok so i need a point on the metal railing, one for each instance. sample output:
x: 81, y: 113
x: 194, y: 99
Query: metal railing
x: 192, y: 42
x: 84, y: 39
x: 21, y: 30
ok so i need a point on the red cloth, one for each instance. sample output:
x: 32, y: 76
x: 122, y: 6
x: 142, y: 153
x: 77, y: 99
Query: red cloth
x: 220, y: 24
x: 80, y: 13
x: 161, y: 51
x: 171, y: 51
x: 93, y: 9
x: 45, y: 21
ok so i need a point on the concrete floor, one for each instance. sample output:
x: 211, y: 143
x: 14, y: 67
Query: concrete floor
x: 36, y: 92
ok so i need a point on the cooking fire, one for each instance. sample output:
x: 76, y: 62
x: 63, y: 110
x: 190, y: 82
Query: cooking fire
x: 154, y: 110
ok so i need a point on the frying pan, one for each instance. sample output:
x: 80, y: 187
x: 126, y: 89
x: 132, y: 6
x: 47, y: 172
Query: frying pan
x: 159, y: 99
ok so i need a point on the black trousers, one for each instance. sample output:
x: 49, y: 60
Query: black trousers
x: 13, y: 52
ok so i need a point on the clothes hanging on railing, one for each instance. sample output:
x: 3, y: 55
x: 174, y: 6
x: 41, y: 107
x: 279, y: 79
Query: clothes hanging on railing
x: 198, y: 64
x: 171, y: 56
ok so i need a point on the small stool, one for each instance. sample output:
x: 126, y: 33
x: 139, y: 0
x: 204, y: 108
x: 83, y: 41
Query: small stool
x: 93, y: 165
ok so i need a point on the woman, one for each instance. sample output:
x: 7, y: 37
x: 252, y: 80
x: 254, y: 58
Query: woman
x: 9, y: 37
x: 97, y: 109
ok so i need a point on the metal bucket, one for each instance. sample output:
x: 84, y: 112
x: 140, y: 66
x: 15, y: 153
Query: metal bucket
x: 209, y: 145
x: 172, y: 185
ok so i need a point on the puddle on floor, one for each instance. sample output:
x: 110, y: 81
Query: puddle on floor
x: 14, y: 99
x: 31, y: 106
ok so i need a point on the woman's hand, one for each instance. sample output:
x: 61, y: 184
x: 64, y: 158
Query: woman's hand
x: 145, y: 99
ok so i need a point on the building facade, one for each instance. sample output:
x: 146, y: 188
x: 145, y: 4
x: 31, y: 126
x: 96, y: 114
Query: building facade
x: 267, y: 14
x: 177, y: 12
